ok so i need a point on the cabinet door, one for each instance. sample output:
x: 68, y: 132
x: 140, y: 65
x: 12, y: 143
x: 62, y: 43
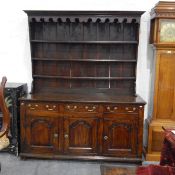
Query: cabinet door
x: 80, y: 135
x: 120, y: 135
x: 42, y: 134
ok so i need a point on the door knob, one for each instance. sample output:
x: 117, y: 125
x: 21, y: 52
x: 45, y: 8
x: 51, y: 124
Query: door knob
x: 105, y: 137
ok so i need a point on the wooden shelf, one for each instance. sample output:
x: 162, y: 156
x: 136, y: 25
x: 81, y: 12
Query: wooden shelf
x: 84, y: 78
x: 84, y: 42
x: 84, y: 60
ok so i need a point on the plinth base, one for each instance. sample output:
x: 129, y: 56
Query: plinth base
x: 156, y: 137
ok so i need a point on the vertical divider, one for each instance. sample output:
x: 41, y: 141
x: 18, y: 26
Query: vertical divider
x: 95, y: 57
x: 83, y: 45
x: 69, y: 49
x: 82, y: 29
x: 42, y: 47
x: 55, y: 51
x: 97, y: 51
x: 56, y: 46
x: 109, y: 65
x: 123, y: 51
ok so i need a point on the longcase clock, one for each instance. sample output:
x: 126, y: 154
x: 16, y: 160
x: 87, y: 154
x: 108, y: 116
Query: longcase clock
x: 162, y: 37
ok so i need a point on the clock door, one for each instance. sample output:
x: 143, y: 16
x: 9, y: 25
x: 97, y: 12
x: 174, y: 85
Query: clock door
x: 165, y: 106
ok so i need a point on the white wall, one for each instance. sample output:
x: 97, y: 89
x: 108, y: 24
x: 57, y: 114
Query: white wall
x: 15, y: 60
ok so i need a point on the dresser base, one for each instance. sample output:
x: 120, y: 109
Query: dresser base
x: 85, y: 158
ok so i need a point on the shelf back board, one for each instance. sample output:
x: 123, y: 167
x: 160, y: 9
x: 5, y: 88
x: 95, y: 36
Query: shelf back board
x: 84, y: 49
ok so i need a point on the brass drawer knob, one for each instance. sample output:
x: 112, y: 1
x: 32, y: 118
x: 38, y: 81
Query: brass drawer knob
x: 132, y: 110
x: 55, y: 135
x: 30, y: 107
x: 49, y: 108
x: 105, y: 137
x: 90, y: 110
x: 108, y: 108
x: 112, y: 110
x: 66, y: 136
x: 71, y: 108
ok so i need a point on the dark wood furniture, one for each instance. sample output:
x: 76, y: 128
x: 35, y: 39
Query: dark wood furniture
x: 162, y: 37
x: 12, y: 92
x: 83, y: 104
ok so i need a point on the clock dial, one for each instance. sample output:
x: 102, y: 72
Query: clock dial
x: 167, y: 31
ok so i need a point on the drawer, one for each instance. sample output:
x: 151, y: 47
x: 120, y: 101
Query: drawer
x: 81, y: 108
x: 43, y: 106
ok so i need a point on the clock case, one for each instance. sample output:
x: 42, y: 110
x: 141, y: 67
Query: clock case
x: 162, y: 17
x: 162, y: 14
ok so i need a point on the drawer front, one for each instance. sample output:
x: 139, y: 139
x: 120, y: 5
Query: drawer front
x: 51, y: 107
x: 89, y: 108
x: 112, y: 108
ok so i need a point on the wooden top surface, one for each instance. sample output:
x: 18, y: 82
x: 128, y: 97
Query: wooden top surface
x: 83, y: 16
x: 85, y: 96
x: 14, y: 85
x: 79, y: 12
